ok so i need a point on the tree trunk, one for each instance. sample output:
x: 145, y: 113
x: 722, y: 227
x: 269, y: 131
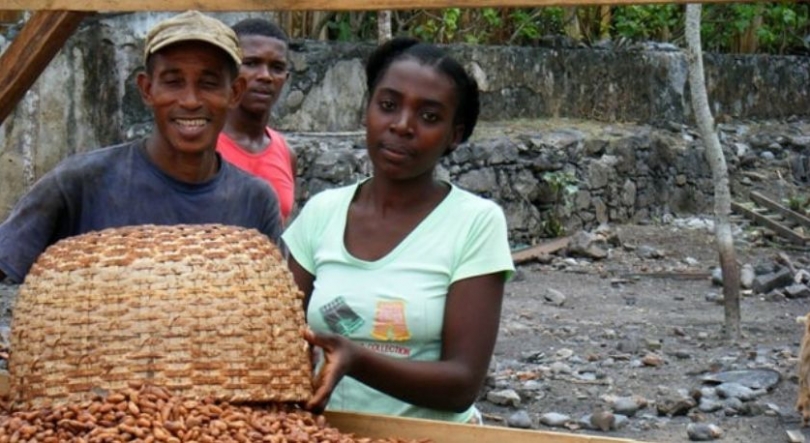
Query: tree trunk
x: 383, y: 26
x: 717, y: 162
x: 571, y: 23
x: 605, y: 17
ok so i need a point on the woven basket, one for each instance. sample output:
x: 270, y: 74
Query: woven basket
x: 203, y: 310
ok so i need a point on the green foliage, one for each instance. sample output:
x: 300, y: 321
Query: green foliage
x: 798, y: 202
x: 563, y: 185
x: 771, y: 27
x: 647, y: 22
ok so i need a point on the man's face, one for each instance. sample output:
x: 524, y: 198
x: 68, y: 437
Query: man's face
x: 190, y: 90
x: 265, y: 68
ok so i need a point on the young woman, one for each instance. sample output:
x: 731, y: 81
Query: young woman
x: 403, y: 273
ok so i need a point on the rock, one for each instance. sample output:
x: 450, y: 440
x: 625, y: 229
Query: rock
x: 520, y: 420
x: 594, y: 147
x: 703, y: 431
x: 559, y: 367
x: 717, y: 276
x: 672, y: 406
x: 648, y: 252
x: 709, y: 405
x: 681, y: 354
x: 554, y: 297
x: 752, y: 409
x: 714, y: 297
x: 563, y: 354
x: 797, y: 290
x: 554, y: 419
x: 585, y: 422
x: 755, y: 379
x: 732, y: 405
x: 533, y: 356
x: 795, y: 436
x: 768, y: 282
x: 652, y: 359
x: 628, y: 406
x: 689, y: 261
x: 653, y: 344
x: 735, y: 390
x: 585, y: 244
x: 628, y: 346
x: 603, y: 420
x: 601, y: 171
x: 775, y: 296
x: 747, y: 276
x: 767, y: 155
x: 504, y: 397
x: 333, y: 166
x: 609, y: 334
x: 621, y: 421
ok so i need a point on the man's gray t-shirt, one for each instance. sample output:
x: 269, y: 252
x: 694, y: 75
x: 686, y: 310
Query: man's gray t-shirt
x: 120, y: 186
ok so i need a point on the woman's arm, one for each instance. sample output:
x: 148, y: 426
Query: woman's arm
x: 302, y: 278
x: 471, y: 320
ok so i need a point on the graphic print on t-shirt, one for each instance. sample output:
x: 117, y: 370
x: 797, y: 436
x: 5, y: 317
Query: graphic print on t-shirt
x: 390, y: 323
x: 340, y: 318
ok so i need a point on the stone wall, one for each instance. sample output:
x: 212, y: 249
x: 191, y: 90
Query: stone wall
x: 87, y: 99
x: 621, y: 173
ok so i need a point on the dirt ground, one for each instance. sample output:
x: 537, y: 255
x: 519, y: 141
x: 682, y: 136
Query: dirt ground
x: 616, y: 302
x: 616, y: 311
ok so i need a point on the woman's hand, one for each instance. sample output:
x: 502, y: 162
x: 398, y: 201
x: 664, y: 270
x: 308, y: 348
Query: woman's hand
x: 338, y: 357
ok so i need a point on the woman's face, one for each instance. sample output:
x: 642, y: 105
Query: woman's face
x: 410, y: 120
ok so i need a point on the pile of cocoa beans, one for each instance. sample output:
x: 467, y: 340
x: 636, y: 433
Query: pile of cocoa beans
x: 151, y: 414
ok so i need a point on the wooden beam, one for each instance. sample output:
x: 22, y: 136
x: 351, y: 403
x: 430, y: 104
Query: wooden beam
x: 304, y: 5
x: 782, y: 210
x: 30, y: 52
x: 762, y: 220
x: 536, y: 251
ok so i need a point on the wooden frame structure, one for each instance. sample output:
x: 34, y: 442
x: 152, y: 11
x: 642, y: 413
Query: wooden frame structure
x: 54, y: 21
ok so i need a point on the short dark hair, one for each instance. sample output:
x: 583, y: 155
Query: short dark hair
x: 233, y: 68
x: 399, y: 48
x: 259, y: 26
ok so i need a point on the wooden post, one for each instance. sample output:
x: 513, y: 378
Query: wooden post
x: 30, y: 52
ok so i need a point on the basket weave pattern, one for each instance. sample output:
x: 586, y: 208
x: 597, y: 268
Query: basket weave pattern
x: 203, y: 310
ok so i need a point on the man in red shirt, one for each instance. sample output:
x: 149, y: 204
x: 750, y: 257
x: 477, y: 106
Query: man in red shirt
x: 247, y: 141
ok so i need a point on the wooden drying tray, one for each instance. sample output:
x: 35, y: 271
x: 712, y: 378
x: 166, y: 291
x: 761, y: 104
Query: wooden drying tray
x: 378, y: 426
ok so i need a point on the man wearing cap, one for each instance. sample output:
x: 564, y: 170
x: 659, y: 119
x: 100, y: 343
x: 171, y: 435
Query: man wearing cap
x: 172, y: 176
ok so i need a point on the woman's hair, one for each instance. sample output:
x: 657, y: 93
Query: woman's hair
x: 401, y: 48
x: 260, y: 27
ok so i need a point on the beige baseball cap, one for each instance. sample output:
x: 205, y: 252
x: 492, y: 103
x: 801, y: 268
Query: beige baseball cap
x: 192, y: 26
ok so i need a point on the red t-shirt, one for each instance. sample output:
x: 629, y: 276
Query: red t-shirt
x: 272, y: 164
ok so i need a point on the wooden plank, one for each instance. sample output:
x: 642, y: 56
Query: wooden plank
x: 549, y: 247
x: 377, y: 426
x: 30, y: 52
x: 770, y: 224
x: 303, y: 5
x: 784, y: 211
